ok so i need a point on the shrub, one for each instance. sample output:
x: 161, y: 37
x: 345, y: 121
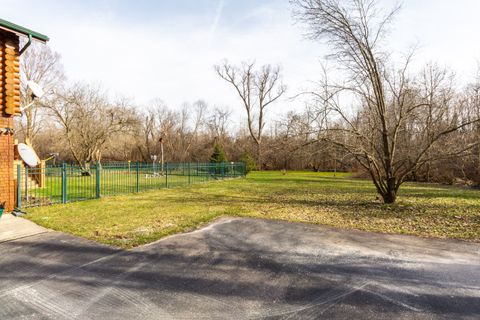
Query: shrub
x: 250, y: 164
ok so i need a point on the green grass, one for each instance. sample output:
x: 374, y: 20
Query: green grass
x: 113, y: 181
x: 131, y: 220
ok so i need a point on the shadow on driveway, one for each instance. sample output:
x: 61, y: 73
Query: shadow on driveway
x: 242, y: 269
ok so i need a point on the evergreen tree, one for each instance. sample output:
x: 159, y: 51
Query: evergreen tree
x: 250, y: 164
x: 218, y: 155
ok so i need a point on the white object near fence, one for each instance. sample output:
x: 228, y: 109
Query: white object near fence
x: 28, y: 155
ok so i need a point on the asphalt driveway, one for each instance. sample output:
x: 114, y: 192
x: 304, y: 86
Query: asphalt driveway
x: 242, y: 269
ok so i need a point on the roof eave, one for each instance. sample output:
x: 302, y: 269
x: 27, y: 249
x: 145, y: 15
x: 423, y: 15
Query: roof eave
x: 15, y: 28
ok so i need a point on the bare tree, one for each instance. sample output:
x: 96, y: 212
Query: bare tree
x: 472, y: 99
x: 217, y: 123
x: 89, y: 121
x: 42, y: 65
x: 191, y: 119
x: 396, y: 122
x: 177, y: 132
x: 154, y: 125
x: 257, y: 89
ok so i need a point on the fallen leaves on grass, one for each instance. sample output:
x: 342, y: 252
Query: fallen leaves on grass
x: 320, y: 198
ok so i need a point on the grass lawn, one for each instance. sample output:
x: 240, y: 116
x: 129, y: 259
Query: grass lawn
x: 116, y: 179
x: 131, y: 220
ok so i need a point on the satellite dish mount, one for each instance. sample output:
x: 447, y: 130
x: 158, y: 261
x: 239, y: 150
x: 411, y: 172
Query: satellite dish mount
x: 37, y: 93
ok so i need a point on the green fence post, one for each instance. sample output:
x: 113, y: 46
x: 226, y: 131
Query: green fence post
x: 19, y: 186
x: 64, y: 183
x: 26, y: 185
x: 137, y: 170
x: 166, y: 174
x: 223, y: 170
x: 97, y: 181
x: 189, y: 176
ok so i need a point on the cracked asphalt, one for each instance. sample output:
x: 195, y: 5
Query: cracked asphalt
x: 239, y: 268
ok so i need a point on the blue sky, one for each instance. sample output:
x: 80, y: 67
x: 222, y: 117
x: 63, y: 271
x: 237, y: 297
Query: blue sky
x: 166, y: 49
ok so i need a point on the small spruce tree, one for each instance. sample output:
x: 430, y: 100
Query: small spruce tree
x: 218, y: 155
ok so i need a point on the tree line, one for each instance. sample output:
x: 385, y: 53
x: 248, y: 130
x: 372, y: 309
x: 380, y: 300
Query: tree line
x: 370, y: 112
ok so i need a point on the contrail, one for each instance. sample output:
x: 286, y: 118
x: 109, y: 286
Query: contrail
x: 218, y: 15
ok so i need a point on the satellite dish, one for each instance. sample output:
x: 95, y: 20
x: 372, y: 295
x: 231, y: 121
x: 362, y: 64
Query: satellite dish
x: 28, y: 155
x: 37, y: 91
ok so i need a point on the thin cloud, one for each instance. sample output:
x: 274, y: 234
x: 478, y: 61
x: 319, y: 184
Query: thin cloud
x: 216, y: 19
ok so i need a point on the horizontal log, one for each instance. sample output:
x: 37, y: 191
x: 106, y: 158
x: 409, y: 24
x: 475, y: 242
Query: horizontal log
x: 11, y: 73
x: 10, y: 102
x: 12, y: 62
x: 12, y: 98
x: 12, y: 87
x: 11, y: 51
x: 11, y: 45
x: 15, y: 80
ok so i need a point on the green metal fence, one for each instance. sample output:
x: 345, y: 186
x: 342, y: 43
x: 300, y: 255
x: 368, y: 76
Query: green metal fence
x: 69, y: 183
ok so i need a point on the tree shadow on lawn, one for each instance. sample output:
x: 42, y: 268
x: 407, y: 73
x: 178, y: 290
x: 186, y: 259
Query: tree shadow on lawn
x: 349, y: 204
x: 290, y: 189
x: 409, y: 189
x: 320, y: 181
x: 229, y: 267
x: 448, y: 193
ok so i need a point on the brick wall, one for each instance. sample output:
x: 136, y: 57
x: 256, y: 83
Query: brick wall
x: 9, y: 97
x: 7, y: 188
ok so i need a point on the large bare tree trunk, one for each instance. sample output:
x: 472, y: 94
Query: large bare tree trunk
x: 399, y: 119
